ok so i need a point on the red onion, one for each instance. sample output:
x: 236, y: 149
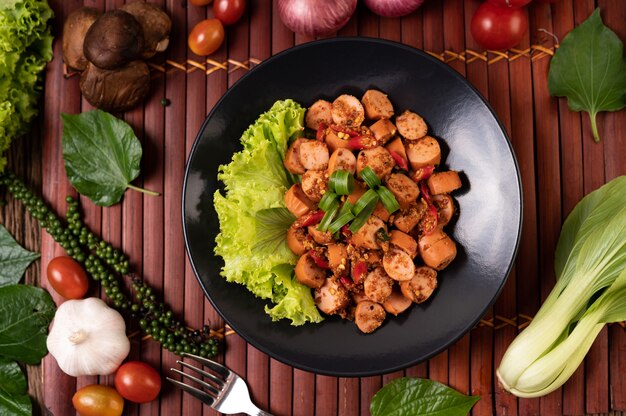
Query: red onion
x: 315, y: 17
x: 393, y: 8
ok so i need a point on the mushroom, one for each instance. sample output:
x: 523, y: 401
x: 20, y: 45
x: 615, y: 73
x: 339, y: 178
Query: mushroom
x: 113, y: 40
x: 74, y: 30
x: 116, y: 90
x: 156, y: 25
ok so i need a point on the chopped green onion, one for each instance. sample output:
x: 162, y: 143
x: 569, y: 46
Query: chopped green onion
x: 341, y: 220
x: 363, y: 216
x: 364, y: 201
x: 327, y: 201
x: 370, y: 178
x: 328, y: 217
x: 389, y: 201
x: 341, y: 182
x: 346, y: 207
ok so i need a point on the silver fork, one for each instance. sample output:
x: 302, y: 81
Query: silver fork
x: 227, y: 392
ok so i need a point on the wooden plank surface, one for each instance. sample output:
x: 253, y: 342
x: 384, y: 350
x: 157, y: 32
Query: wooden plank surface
x: 558, y: 161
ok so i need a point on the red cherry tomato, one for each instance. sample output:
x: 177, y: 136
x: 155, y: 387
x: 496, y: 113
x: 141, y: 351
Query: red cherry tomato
x: 496, y: 27
x: 510, y: 3
x: 138, y: 382
x: 546, y: 1
x: 229, y: 11
x: 67, y: 277
x: 97, y: 400
x: 206, y: 37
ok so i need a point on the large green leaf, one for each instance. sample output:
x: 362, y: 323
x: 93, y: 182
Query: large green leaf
x: 25, y: 313
x: 590, y: 70
x: 13, y: 259
x: 414, y: 396
x: 14, y: 400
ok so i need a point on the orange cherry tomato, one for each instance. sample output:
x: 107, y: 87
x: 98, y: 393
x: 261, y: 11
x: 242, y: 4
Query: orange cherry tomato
x: 67, y: 277
x: 206, y: 37
x: 200, y: 2
x: 138, y: 382
x: 98, y: 400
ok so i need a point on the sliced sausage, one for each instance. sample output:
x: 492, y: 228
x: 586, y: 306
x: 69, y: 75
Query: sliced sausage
x: 366, y: 237
x: 368, y: 316
x: 411, y: 126
x: 397, y: 147
x: 445, y: 208
x: 404, y: 242
x: 376, y: 105
x: 314, y: 155
x: 396, y: 303
x: 377, y: 285
x: 423, y: 152
x: 319, y: 113
x: 292, y: 157
x: 332, y: 297
x: 373, y: 258
x: 398, y: 265
x: 437, y: 249
x: 444, y: 182
x: 407, y: 219
x: 381, y: 212
x: 297, y: 240
x: 338, y: 258
x: 298, y: 203
x: 357, y: 192
x: 403, y: 188
x: 320, y: 237
x: 377, y: 158
x: 334, y: 142
x: 314, y: 184
x: 342, y: 159
x: 421, y: 286
x: 348, y: 111
x: 358, y: 297
x: 308, y: 273
x: 383, y: 130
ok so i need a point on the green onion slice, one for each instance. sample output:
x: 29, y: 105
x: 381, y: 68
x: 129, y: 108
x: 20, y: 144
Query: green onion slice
x: 370, y: 177
x: 365, y: 200
x: 342, y: 219
x: 327, y: 201
x: 341, y: 182
x: 388, y: 200
x: 328, y: 217
x: 361, y: 219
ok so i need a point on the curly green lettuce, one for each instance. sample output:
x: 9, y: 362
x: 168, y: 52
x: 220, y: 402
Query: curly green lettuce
x: 25, y: 49
x: 254, y: 220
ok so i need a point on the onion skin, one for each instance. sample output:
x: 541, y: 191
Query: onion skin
x: 316, y: 17
x: 393, y: 8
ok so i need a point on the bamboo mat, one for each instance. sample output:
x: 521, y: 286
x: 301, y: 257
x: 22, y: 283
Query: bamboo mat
x: 558, y: 159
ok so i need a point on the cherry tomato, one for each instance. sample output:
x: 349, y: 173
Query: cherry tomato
x: 510, y: 3
x: 206, y: 37
x: 67, y: 277
x: 229, y: 11
x: 546, y: 1
x: 97, y: 400
x: 200, y: 2
x: 138, y: 382
x: 496, y: 27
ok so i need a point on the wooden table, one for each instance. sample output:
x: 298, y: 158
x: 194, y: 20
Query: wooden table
x: 558, y: 159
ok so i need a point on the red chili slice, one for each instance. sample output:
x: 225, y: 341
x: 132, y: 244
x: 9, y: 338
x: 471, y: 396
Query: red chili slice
x: 345, y: 130
x: 310, y: 219
x: 319, y: 259
x: 425, y: 192
x: 422, y: 174
x: 345, y: 230
x: 362, y: 142
x: 319, y: 135
x: 431, y: 225
x: 400, y: 161
x: 359, y: 271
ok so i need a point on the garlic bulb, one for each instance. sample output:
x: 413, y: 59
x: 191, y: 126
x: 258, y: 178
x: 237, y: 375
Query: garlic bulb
x: 88, y: 338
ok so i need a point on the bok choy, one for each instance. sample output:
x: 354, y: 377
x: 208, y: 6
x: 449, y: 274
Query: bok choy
x: 590, y: 292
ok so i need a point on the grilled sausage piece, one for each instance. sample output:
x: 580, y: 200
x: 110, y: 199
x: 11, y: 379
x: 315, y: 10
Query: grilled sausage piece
x: 445, y: 208
x: 365, y: 237
x: 407, y: 219
x: 377, y: 158
x: 332, y: 297
x: 298, y: 203
x: 292, y: 157
x: 334, y: 142
x: 297, y: 240
x: 320, y: 237
x: 368, y: 316
x: 319, y: 113
x: 411, y: 126
x: 403, y: 188
x: 376, y: 105
x: 398, y: 265
x: 308, y: 273
x: 404, y: 242
x: 314, y: 155
x: 338, y: 258
x: 397, y: 146
x: 396, y: 303
x: 437, y: 249
x: 444, y: 182
x: 348, y: 111
x: 383, y: 130
x: 421, y: 286
x: 342, y: 159
x: 314, y: 184
x: 377, y: 285
x: 423, y: 152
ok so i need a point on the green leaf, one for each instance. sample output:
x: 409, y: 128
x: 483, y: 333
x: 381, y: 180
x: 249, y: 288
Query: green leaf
x: 14, y: 400
x: 102, y: 156
x: 25, y: 313
x: 13, y: 259
x: 590, y: 70
x: 271, y: 227
x: 415, y: 396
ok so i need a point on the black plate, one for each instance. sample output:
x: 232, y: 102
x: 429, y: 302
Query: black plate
x: 473, y: 142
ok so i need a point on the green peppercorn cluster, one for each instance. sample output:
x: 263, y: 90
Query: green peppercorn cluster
x: 107, y: 265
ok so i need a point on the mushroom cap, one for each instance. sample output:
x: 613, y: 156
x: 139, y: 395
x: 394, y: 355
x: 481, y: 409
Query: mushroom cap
x: 156, y: 25
x: 116, y: 90
x: 113, y: 40
x: 74, y: 30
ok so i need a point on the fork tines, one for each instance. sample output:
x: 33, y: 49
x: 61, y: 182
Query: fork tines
x: 213, y: 388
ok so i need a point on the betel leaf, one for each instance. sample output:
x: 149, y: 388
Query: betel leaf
x: 415, y: 396
x: 13, y: 259
x: 102, y: 156
x: 590, y: 70
x: 14, y: 400
x: 25, y: 313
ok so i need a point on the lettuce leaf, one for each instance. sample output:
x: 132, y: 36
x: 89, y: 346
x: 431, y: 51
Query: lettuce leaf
x: 254, y: 220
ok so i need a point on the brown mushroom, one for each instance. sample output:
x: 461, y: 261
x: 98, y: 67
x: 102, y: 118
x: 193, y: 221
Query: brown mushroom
x: 117, y: 90
x: 74, y: 30
x: 156, y: 25
x: 113, y: 40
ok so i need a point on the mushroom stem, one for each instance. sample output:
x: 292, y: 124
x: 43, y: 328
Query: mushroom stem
x: 78, y: 337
